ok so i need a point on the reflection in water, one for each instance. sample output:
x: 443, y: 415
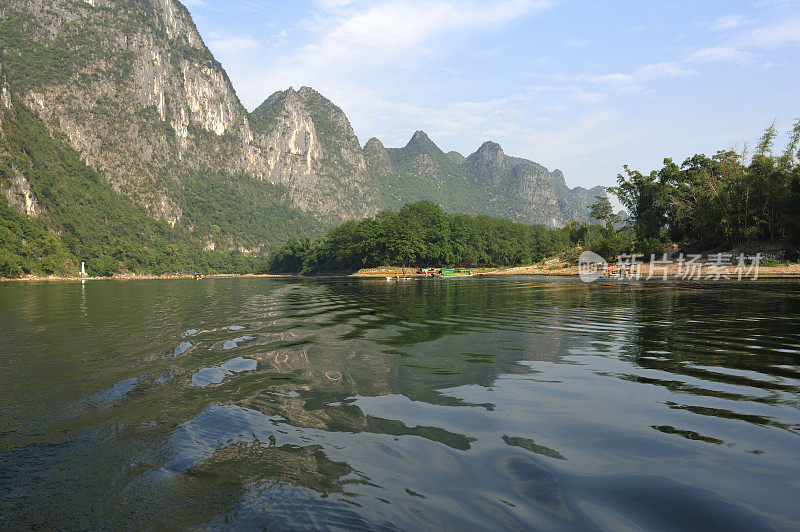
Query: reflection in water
x: 233, y: 344
x: 181, y: 349
x: 108, y: 397
x: 530, y: 445
x: 479, y: 403
x: 217, y: 374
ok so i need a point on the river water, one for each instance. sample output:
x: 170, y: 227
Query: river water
x: 467, y: 404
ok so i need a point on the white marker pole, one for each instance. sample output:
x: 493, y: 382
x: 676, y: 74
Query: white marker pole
x: 83, y: 269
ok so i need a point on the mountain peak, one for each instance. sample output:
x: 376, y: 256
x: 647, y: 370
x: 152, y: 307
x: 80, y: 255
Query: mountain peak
x: 490, y: 153
x: 422, y: 142
x: 490, y: 150
x: 305, y: 91
x: 374, y: 144
x: 269, y: 102
x: 420, y: 135
x: 303, y: 94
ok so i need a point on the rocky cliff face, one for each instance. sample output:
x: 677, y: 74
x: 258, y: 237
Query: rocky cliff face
x: 133, y: 88
x: 5, y: 98
x: 14, y: 187
x: 526, y: 191
x: 124, y: 82
x: 519, y: 189
x: 574, y: 203
x: 5, y: 95
x: 377, y: 157
x: 419, y: 171
x: 309, y: 147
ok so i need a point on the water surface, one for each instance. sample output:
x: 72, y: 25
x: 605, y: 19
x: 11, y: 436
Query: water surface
x: 455, y: 403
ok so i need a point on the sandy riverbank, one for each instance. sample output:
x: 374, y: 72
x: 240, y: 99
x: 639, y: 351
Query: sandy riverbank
x: 536, y: 270
x: 133, y: 277
x: 561, y: 270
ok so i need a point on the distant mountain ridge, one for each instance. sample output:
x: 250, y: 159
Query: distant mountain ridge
x: 486, y: 182
x: 130, y: 86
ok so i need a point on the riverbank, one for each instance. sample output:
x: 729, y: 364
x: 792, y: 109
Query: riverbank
x: 547, y: 269
x: 135, y: 277
x: 556, y: 269
x: 673, y: 271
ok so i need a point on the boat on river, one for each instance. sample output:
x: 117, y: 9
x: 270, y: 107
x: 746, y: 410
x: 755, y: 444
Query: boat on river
x: 455, y: 273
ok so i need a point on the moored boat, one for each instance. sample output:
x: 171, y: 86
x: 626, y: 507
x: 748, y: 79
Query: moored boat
x: 455, y: 273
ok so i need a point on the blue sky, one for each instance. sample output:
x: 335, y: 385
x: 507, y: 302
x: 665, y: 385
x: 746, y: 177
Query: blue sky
x: 584, y: 86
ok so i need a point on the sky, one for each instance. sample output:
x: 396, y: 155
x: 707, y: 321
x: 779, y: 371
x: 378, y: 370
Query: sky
x: 582, y: 86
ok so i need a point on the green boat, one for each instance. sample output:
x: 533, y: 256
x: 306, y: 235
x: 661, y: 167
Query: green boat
x: 455, y: 273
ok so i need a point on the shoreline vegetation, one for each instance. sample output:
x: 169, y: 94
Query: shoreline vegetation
x: 728, y: 203
x: 549, y: 268
x: 725, y: 203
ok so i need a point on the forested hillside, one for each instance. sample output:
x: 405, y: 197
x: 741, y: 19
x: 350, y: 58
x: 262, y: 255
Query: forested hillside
x: 421, y: 234
x: 73, y: 215
x: 486, y: 182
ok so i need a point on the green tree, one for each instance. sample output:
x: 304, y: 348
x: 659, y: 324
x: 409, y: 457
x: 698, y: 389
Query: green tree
x: 602, y: 210
x: 644, y: 198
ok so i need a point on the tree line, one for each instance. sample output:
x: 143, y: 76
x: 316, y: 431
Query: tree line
x: 421, y: 234
x: 727, y: 199
x: 723, y: 201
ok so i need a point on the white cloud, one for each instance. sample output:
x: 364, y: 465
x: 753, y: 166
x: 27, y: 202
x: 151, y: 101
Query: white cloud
x: 575, y: 139
x: 581, y: 96
x: 354, y: 40
x: 785, y: 33
x: 726, y: 22
x: 667, y: 69
x: 720, y: 54
x: 392, y: 27
x: 613, y: 79
x: 234, y: 45
x: 633, y: 82
x: 381, y: 33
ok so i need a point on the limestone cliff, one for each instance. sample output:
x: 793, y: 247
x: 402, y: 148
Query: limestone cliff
x: 420, y: 171
x: 377, y: 157
x: 526, y: 191
x: 519, y: 189
x: 310, y: 148
x: 133, y: 88
x: 5, y: 95
x: 14, y: 187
